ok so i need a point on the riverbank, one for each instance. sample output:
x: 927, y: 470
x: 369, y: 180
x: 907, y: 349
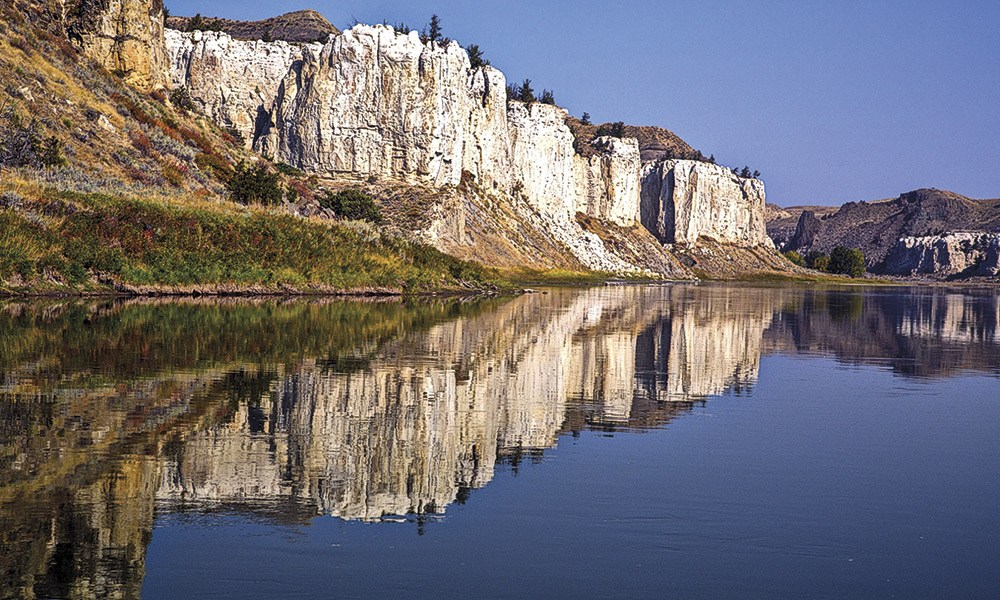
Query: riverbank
x: 56, y: 242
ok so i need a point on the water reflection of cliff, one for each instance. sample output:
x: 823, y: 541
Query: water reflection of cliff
x: 919, y: 333
x: 430, y: 415
x: 368, y: 409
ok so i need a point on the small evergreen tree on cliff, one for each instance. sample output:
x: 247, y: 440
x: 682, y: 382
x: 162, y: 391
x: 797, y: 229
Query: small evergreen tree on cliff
x: 548, y: 97
x: 196, y: 23
x: 476, y: 56
x: 433, y: 31
x: 525, y: 93
x: 513, y: 92
x: 585, y: 119
x: 616, y: 129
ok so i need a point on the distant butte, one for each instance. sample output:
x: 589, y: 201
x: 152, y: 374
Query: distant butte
x: 298, y: 26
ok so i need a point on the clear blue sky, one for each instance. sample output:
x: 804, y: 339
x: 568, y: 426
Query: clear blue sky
x: 831, y: 101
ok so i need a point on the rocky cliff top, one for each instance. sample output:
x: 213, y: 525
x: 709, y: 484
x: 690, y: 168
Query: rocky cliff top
x: 654, y: 142
x: 299, y: 26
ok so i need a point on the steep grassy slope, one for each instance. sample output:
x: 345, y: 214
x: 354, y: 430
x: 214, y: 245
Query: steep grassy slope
x: 108, y: 189
x: 59, y: 240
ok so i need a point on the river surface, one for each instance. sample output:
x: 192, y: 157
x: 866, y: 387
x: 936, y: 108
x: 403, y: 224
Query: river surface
x: 666, y: 441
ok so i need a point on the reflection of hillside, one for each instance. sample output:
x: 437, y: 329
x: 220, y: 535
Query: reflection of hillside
x: 433, y: 412
x: 927, y: 334
x: 92, y: 393
x: 365, y: 409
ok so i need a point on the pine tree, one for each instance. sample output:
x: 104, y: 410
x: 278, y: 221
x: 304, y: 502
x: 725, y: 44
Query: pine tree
x: 526, y: 94
x: 433, y: 31
x: 196, y: 23
x: 585, y: 119
x: 476, y: 56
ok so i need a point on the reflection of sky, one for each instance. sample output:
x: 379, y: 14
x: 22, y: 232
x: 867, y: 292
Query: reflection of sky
x: 825, y: 480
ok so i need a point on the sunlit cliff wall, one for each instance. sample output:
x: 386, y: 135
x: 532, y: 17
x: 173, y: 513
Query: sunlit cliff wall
x: 684, y: 200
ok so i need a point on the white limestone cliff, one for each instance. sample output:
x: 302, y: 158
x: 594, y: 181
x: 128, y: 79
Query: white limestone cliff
x: 374, y: 103
x: 970, y: 254
x: 234, y: 82
x: 684, y: 200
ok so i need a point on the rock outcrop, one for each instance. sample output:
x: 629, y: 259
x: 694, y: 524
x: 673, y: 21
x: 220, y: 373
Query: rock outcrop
x: 805, y: 231
x: 684, y: 200
x: 376, y: 105
x: 955, y: 254
x: 124, y: 36
x: 233, y: 82
x: 876, y: 228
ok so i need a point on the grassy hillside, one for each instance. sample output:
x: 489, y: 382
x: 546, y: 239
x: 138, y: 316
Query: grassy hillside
x: 106, y: 189
x: 56, y: 240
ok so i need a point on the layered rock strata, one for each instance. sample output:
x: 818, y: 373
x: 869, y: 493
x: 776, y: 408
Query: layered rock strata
x: 684, y: 200
x: 126, y: 36
x: 373, y: 104
x: 965, y: 254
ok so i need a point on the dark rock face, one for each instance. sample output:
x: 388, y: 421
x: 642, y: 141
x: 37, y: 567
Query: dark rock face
x: 875, y: 228
x: 300, y: 26
x: 805, y: 231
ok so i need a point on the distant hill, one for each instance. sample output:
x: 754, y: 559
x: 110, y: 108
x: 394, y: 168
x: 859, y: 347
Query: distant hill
x: 654, y: 142
x: 299, y: 26
x: 875, y: 227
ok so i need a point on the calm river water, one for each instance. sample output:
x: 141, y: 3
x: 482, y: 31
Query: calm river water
x: 615, y: 442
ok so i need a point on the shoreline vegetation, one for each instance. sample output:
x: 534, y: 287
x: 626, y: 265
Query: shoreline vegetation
x: 58, y: 243
x: 55, y: 242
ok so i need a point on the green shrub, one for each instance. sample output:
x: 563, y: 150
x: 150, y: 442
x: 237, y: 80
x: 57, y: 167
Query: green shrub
x: 795, y: 258
x: 254, y: 184
x: 611, y: 130
x: 287, y: 169
x: 847, y: 261
x: 181, y: 99
x: 815, y: 259
x: 352, y: 204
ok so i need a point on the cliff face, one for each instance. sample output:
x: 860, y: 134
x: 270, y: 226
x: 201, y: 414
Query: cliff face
x: 233, y: 82
x: 684, y: 200
x: 375, y: 105
x: 961, y: 254
x: 558, y: 181
x: 126, y: 36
